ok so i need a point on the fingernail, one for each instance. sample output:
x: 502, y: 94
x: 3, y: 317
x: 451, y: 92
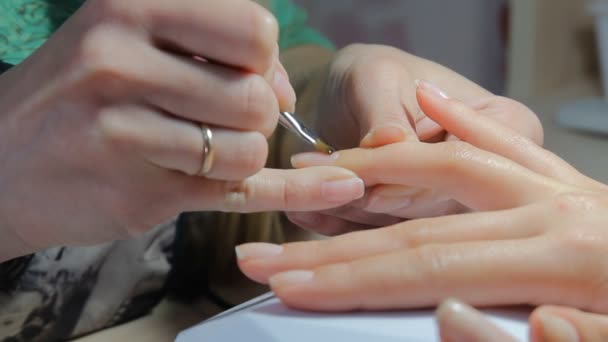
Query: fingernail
x: 313, y: 159
x: 257, y: 250
x: 384, y: 135
x: 557, y: 329
x: 291, y: 278
x: 428, y: 86
x: 343, y: 190
x: 283, y: 85
x: 463, y: 323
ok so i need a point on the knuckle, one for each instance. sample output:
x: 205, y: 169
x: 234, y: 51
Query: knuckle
x: 429, y: 262
x: 585, y: 253
x: 99, y: 60
x: 114, y: 130
x: 571, y: 204
x: 264, y: 35
x: 253, y: 154
x: 259, y: 108
x: 237, y: 195
x: 112, y: 10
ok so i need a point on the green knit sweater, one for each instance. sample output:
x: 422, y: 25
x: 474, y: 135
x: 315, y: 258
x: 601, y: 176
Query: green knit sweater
x: 26, y: 24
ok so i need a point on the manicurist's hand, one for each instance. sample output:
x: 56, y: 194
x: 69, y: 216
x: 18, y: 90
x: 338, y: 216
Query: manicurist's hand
x: 137, y: 110
x: 369, y: 100
x: 539, y: 237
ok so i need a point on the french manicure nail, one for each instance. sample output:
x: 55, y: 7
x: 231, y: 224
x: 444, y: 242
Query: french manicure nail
x: 343, y: 190
x: 557, y: 329
x: 426, y: 85
x: 257, y: 250
x: 291, y: 278
x: 313, y: 159
x: 463, y: 323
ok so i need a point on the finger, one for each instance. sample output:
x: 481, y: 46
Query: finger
x: 459, y: 322
x: 324, y: 224
x: 431, y: 208
x: 233, y: 32
x: 455, y: 169
x: 377, y: 101
x: 562, y: 324
x: 407, y: 202
x: 176, y: 144
x: 503, y: 225
x: 354, y: 214
x: 283, y: 89
x: 470, y: 126
x: 422, y: 277
x: 213, y: 94
x: 275, y: 190
x: 188, y: 88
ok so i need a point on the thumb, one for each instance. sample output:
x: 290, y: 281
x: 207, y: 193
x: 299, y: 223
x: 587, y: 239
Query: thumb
x: 561, y: 324
x: 380, y: 105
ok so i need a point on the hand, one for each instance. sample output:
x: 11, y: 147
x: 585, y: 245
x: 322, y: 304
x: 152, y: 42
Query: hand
x: 460, y: 322
x: 369, y: 100
x: 542, y: 240
x: 101, y: 128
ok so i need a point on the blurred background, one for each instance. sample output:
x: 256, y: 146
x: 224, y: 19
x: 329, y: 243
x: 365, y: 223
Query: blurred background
x: 466, y: 35
x: 540, y: 52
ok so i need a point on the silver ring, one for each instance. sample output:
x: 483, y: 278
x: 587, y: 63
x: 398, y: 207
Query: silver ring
x: 208, y: 153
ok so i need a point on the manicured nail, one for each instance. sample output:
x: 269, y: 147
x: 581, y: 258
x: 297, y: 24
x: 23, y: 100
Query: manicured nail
x: 258, y: 250
x: 428, y: 86
x: 343, y: 190
x: 313, y: 159
x: 283, y: 85
x: 462, y: 323
x: 291, y: 278
x: 557, y: 329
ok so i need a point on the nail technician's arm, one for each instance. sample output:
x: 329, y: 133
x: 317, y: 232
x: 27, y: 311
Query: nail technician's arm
x: 364, y: 95
x: 541, y: 237
x: 100, y: 128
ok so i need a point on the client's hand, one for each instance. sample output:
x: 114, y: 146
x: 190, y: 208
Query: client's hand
x: 369, y: 100
x: 543, y: 241
x: 460, y: 322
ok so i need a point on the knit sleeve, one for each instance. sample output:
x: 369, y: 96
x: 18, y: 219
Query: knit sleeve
x: 294, y: 28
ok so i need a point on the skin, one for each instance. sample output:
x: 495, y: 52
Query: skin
x: 537, y: 235
x: 100, y: 128
x: 367, y: 98
x: 459, y: 322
